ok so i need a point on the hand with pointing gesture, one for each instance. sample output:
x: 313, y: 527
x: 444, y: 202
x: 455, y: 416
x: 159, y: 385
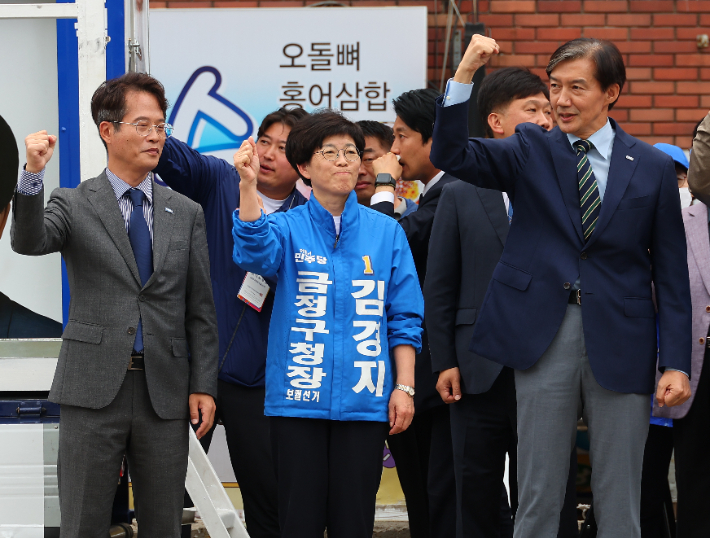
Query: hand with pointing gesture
x: 246, y: 161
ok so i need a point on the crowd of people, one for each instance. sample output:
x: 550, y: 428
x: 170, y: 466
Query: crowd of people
x: 542, y: 277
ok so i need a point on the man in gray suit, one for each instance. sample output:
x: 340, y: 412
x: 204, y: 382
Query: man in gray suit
x: 140, y: 348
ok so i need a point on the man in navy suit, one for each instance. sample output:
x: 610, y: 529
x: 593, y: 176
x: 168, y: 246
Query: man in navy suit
x: 597, y: 221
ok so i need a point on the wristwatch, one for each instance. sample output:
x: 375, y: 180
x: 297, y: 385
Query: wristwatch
x: 405, y: 388
x: 385, y: 180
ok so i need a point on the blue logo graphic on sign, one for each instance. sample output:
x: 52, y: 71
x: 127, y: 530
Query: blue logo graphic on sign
x: 206, y: 120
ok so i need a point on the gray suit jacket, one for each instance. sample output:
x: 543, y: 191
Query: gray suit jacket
x: 470, y: 229
x: 695, y: 219
x: 107, y: 299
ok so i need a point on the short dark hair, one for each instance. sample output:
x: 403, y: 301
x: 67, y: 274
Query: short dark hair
x: 109, y: 100
x: 417, y: 108
x: 378, y: 130
x: 505, y: 85
x: 308, y: 134
x: 606, y: 57
x: 286, y: 116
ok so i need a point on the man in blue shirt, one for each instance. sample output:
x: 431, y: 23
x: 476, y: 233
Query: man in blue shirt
x: 243, y: 324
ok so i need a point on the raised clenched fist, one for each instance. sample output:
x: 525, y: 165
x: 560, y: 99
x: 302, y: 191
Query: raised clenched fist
x: 246, y: 161
x: 40, y: 148
x: 479, y: 51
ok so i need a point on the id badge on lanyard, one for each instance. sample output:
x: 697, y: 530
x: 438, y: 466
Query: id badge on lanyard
x: 254, y: 291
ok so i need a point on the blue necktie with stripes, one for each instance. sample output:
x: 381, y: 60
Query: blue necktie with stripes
x: 589, y: 199
x: 139, y: 235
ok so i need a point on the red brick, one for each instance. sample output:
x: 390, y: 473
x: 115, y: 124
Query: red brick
x: 506, y: 47
x: 635, y: 19
x: 683, y: 141
x: 515, y: 60
x: 158, y: 5
x: 691, y: 114
x: 652, y: 114
x: 652, y: 87
x: 280, y: 3
x: 537, y: 20
x: 646, y: 6
x: 652, y: 33
x: 695, y: 88
x: 693, y: 6
x: 231, y: 3
x: 676, y: 101
x: 557, y: 6
x: 558, y: 34
x: 705, y: 73
x: 586, y: 19
x: 512, y: 6
x: 526, y: 47
x: 541, y: 60
x: 429, y: 5
x: 183, y: 5
x: 483, y: 6
x: 657, y: 139
x: 675, y: 46
x: 540, y: 72
x: 635, y: 101
x: 676, y: 73
x: 675, y: 19
x: 704, y: 20
x: 497, y: 20
x: 650, y: 60
x: 705, y: 101
x: 636, y: 128
x: 620, y: 114
x: 513, y: 34
x: 638, y: 73
x: 611, y: 34
x: 690, y: 34
x: 687, y: 59
x: 605, y: 6
x: 633, y: 46
x: 432, y: 20
x: 674, y: 128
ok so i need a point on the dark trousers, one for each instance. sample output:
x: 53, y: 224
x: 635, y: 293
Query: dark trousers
x: 484, y: 429
x: 691, y: 438
x: 328, y: 473
x: 92, y: 443
x: 657, y: 518
x: 241, y: 410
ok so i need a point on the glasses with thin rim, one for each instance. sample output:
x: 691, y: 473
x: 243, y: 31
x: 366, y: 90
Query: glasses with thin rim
x: 331, y: 154
x: 144, y: 128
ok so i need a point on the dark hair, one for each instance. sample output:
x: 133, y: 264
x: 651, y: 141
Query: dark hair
x: 505, y: 85
x: 606, y: 57
x: 109, y: 100
x: 286, y: 116
x: 417, y: 108
x: 308, y: 134
x: 380, y: 131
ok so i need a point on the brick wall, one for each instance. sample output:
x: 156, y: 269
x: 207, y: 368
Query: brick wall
x: 668, y: 88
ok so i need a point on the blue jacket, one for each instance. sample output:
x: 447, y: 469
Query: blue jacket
x: 214, y: 184
x: 639, y: 239
x: 341, y: 306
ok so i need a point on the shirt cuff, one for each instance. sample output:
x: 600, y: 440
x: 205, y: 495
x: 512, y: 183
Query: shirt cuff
x: 457, y: 93
x: 29, y: 183
x: 676, y: 370
x: 382, y: 197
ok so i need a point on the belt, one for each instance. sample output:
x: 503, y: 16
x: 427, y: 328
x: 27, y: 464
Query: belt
x: 575, y: 297
x: 136, y: 362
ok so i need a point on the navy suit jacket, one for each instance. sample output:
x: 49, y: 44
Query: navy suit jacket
x: 639, y: 239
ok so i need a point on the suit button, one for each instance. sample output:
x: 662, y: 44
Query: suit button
x: 566, y: 285
x: 583, y: 255
x: 707, y: 309
x: 141, y: 297
x: 131, y: 330
x: 701, y: 341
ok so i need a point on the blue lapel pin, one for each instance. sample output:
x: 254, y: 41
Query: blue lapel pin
x: 168, y: 210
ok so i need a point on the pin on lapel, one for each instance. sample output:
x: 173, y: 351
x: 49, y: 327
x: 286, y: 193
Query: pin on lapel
x: 629, y: 157
x: 168, y: 210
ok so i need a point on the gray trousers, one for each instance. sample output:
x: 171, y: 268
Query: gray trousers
x: 92, y: 443
x: 552, y: 395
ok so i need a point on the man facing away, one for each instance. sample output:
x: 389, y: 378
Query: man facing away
x: 243, y: 322
x: 378, y: 141
x: 140, y: 348
x: 596, y: 221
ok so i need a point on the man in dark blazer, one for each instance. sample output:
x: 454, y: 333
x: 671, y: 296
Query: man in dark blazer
x: 597, y: 220
x: 422, y: 454
x: 139, y: 355
x: 470, y: 228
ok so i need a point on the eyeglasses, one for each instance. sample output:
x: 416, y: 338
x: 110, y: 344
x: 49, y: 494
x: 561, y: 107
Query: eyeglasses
x: 350, y: 154
x: 144, y: 128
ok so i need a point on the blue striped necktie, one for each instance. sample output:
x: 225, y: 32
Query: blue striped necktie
x: 589, y: 199
x: 139, y: 236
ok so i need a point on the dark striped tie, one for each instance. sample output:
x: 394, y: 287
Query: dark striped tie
x: 589, y: 199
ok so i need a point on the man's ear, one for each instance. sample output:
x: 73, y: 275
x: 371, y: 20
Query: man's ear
x: 495, y: 123
x: 612, y: 93
x: 303, y: 170
x: 4, y: 214
x: 106, y: 131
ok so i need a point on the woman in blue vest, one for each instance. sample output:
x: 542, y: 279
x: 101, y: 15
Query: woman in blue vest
x: 344, y: 330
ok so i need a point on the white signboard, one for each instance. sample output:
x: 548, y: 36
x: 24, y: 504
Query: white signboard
x: 225, y: 69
